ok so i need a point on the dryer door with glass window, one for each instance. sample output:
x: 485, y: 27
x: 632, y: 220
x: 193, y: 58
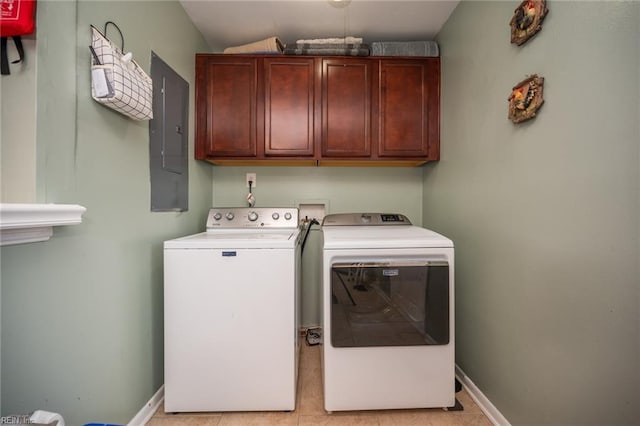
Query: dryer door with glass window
x: 382, y: 303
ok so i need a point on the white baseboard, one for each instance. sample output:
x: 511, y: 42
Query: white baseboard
x: 149, y: 409
x: 483, y: 402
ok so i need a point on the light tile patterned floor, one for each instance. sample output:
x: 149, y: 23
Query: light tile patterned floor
x: 310, y: 411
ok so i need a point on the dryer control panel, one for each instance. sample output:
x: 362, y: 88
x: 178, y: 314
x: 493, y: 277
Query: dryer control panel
x: 365, y: 219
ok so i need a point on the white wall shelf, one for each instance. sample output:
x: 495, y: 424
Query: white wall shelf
x: 28, y: 223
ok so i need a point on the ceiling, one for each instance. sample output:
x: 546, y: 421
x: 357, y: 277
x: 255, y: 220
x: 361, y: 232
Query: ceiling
x: 226, y: 23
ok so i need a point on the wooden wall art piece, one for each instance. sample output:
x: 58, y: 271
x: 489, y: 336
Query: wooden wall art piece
x: 526, y: 99
x: 527, y: 20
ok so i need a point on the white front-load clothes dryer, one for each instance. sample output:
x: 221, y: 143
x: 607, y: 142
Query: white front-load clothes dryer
x: 387, y: 314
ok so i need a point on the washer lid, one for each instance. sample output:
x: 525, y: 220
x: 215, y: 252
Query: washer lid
x: 236, y: 239
x: 373, y: 237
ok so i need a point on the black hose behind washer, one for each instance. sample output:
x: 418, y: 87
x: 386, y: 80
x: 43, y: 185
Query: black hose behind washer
x: 306, y: 231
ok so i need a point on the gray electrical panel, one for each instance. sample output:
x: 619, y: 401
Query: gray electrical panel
x: 169, y: 139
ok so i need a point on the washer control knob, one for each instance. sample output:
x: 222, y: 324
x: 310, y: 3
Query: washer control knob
x: 229, y: 216
x: 275, y: 216
x: 217, y: 216
x: 253, y: 216
x: 287, y: 216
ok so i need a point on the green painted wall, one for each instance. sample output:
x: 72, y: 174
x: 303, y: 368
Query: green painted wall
x: 82, y: 313
x: 544, y: 215
x: 347, y: 189
x: 17, y: 127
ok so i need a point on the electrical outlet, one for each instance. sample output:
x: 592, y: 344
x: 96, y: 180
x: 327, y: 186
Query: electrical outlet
x: 251, y: 177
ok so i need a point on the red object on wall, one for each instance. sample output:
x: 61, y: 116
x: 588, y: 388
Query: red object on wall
x: 17, y: 17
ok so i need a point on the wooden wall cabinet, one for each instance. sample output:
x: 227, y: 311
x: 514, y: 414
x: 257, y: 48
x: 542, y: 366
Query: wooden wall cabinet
x: 346, y: 107
x: 289, y: 110
x: 226, y: 107
x: 408, y: 109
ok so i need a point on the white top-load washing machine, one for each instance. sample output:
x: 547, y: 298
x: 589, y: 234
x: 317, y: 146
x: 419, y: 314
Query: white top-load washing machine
x: 388, y: 314
x: 231, y: 313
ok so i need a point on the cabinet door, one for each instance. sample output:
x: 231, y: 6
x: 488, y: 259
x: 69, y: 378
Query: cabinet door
x: 346, y: 107
x: 289, y: 107
x: 226, y: 90
x: 408, y: 108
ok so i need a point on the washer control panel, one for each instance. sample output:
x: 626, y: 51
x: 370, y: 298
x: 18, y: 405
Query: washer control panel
x: 252, y: 217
